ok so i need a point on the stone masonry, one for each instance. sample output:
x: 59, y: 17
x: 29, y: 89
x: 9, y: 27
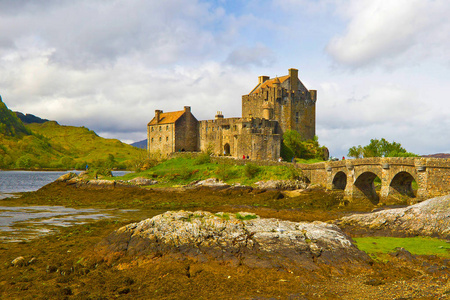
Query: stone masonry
x: 272, y: 107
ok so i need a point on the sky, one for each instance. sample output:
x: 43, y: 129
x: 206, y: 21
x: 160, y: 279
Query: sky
x: 381, y: 67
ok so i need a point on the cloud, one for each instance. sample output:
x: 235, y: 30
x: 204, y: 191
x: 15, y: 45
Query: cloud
x: 258, y: 55
x: 391, y: 33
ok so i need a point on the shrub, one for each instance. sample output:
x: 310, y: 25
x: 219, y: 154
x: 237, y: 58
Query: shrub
x: 251, y: 170
x: 202, y: 158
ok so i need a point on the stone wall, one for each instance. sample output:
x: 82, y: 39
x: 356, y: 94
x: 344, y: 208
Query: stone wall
x: 186, y: 132
x: 161, y: 138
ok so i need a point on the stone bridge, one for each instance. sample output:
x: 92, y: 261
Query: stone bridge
x: 356, y: 177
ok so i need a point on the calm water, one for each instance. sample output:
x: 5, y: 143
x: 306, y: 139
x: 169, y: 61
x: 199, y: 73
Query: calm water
x: 28, y: 222
x: 29, y: 181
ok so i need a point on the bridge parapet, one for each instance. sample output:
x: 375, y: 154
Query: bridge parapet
x: 356, y: 176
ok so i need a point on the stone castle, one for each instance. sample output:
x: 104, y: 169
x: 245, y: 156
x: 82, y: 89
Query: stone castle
x: 272, y: 107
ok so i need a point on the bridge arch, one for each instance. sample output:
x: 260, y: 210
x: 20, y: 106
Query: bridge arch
x: 340, y: 181
x: 365, y: 187
x: 402, y: 183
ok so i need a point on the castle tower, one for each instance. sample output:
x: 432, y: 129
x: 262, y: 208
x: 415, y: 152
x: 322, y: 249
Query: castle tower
x: 286, y: 100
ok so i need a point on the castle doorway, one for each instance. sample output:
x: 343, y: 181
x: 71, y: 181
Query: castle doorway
x: 226, y: 149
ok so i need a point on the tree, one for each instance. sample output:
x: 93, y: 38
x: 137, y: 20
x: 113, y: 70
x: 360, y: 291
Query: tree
x: 294, y: 146
x: 293, y: 141
x: 379, y: 148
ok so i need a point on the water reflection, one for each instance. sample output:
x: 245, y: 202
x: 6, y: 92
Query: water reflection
x: 28, y: 222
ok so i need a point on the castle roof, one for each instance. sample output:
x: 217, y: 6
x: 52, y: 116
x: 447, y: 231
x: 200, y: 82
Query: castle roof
x: 269, y: 83
x: 167, y: 118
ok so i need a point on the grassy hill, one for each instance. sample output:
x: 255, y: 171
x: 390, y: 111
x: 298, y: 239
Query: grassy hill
x: 10, y: 124
x: 52, y: 146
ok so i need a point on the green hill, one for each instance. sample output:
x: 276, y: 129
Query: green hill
x: 10, y: 124
x: 52, y: 146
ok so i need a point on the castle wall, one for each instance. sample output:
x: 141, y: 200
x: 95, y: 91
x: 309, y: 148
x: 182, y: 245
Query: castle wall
x: 186, y: 133
x: 161, y: 137
x: 236, y: 137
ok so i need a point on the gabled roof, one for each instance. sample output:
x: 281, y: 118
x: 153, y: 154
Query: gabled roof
x: 269, y: 83
x: 167, y: 118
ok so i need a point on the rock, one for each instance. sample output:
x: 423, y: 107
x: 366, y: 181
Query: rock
x: 211, y: 182
x: 403, y: 254
x: 281, y: 185
x: 428, y: 218
x: 142, y: 181
x: 241, y: 238
x: 66, y: 177
x: 19, y: 262
x: 101, y: 183
x: 32, y: 260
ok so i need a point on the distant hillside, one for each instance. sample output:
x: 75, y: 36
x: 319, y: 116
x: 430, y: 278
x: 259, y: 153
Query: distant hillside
x: 50, y: 145
x: 438, y: 155
x: 141, y: 144
x: 29, y: 118
x: 10, y: 124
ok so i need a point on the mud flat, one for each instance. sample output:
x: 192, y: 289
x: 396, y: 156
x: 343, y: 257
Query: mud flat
x: 128, y: 259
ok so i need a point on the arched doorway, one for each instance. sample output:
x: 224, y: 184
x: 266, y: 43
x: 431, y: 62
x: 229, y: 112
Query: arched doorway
x: 340, y: 181
x: 365, y: 185
x: 226, y: 149
x: 402, y: 183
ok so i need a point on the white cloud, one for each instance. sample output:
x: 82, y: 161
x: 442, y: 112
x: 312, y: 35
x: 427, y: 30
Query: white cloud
x: 392, y: 33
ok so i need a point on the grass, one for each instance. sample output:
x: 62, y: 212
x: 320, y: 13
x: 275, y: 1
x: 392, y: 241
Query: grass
x: 415, y: 245
x: 52, y: 146
x: 184, y: 170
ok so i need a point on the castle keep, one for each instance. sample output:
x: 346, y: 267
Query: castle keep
x: 272, y: 107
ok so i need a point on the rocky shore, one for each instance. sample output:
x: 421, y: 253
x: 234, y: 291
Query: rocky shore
x: 241, y: 238
x: 428, y: 218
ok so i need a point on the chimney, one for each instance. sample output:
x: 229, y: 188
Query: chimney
x: 219, y: 115
x: 187, y: 109
x: 293, y: 74
x: 262, y: 79
x: 158, y: 115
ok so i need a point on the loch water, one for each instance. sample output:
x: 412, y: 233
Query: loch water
x: 22, y: 223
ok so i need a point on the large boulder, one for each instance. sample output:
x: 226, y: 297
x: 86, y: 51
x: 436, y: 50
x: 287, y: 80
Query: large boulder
x: 428, y: 218
x: 236, y: 238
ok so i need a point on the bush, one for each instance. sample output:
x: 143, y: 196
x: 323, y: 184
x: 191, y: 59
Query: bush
x: 202, y: 158
x: 250, y: 170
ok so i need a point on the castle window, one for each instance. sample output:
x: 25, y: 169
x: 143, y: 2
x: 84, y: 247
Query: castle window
x: 160, y: 139
x: 159, y: 128
x: 152, y: 138
x: 167, y: 138
x: 167, y: 127
x: 152, y: 128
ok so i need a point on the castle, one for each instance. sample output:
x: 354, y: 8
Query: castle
x: 272, y: 107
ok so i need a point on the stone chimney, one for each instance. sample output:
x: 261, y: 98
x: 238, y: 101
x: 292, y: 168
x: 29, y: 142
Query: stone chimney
x: 187, y: 109
x: 219, y: 115
x: 262, y: 79
x: 158, y: 115
x: 293, y: 74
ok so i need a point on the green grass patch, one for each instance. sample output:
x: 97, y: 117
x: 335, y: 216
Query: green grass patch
x: 415, y: 245
x: 246, y: 217
x: 183, y: 170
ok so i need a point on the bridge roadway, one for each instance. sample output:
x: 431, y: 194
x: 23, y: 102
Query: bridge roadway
x: 356, y: 177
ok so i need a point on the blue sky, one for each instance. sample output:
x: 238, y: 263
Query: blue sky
x: 381, y: 67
